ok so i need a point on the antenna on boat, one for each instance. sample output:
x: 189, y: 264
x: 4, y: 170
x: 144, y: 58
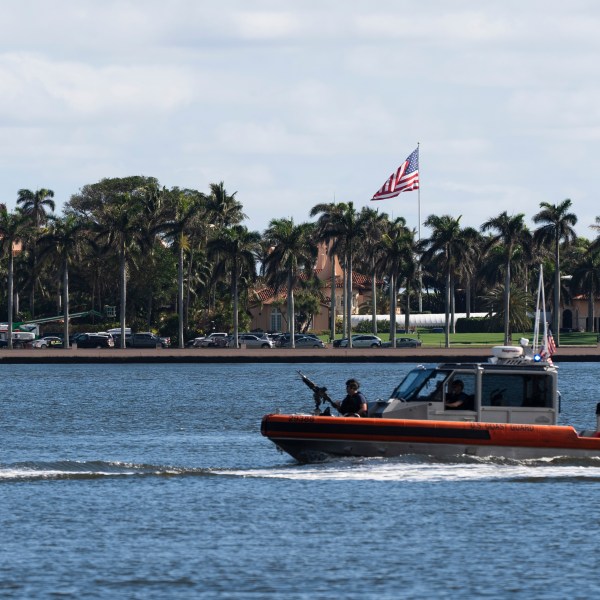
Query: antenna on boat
x: 536, y: 327
x: 545, y: 350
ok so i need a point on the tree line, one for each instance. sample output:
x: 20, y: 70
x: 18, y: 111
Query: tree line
x: 181, y: 261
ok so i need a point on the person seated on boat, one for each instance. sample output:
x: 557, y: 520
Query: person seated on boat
x: 457, y: 399
x: 354, y: 404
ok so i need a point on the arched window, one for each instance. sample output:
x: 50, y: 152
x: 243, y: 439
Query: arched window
x: 275, y: 319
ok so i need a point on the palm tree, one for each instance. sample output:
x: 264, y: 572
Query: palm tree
x: 13, y: 227
x: 586, y: 275
x: 375, y: 226
x: 347, y: 227
x: 397, y: 260
x: 187, y: 208
x: 64, y: 238
x: 445, y: 246
x: 556, y: 226
x: 292, y: 252
x: 511, y: 236
x: 234, y: 252
x: 118, y: 229
x: 329, y: 212
x: 468, y: 261
x: 34, y: 205
x: 223, y: 209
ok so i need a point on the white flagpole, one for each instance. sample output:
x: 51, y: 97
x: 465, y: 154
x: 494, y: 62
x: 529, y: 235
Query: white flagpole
x: 419, y: 229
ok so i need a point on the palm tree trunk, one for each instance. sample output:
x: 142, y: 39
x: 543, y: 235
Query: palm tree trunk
x: 393, y: 306
x: 374, y: 292
x: 507, y: 305
x: 349, y: 305
x: 65, y: 303
x: 453, y: 303
x: 556, y: 311
x: 11, y: 264
x: 333, y: 299
x: 187, y: 290
x: 447, y: 310
x: 344, y: 298
x: 290, y: 304
x: 122, y: 312
x: 180, y: 295
x: 234, y: 294
x: 468, y: 296
x: 590, y: 319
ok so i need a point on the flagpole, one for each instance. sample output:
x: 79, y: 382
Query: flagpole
x: 419, y: 229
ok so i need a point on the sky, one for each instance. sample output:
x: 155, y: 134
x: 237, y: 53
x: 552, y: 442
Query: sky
x: 295, y: 103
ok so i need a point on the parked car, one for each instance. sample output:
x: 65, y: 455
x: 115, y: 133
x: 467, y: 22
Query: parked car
x: 48, y: 341
x: 209, y: 341
x: 361, y: 341
x: 143, y: 339
x: 95, y: 340
x: 284, y: 338
x: 403, y: 342
x: 251, y: 340
x: 165, y: 341
x: 303, y: 341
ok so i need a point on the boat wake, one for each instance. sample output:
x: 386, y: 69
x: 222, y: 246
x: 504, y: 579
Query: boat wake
x: 27, y: 471
x: 412, y: 468
x: 427, y: 469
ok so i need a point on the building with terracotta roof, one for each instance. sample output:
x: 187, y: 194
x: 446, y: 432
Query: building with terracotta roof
x: 269, y: 310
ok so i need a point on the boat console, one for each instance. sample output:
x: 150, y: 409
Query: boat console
x: 510, y: 388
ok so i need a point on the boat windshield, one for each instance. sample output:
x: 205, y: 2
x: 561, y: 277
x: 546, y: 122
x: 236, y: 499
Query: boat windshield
x: 421, y: 384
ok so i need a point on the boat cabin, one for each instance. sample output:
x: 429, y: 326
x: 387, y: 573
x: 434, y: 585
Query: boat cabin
x: 515, y: 389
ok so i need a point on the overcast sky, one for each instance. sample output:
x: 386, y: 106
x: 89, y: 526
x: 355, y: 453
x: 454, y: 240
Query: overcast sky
x: 296, y: 103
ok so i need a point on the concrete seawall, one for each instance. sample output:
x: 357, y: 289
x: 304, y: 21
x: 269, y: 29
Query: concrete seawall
x: 282, y: 355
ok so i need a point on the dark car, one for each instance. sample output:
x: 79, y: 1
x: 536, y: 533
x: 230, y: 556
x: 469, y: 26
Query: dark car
x: 403, y: 342
x: 95, y: 340
x: 144, y: 339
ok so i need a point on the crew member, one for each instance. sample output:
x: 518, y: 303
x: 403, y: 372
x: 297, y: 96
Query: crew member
x: 457, y: 398
x: 354, y: 404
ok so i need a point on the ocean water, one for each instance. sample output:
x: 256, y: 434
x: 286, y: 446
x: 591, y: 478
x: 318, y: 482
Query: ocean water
x: 153, y: 481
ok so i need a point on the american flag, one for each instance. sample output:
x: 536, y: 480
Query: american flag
x: 405, y: 179
x: 548, y: 348
x: 551, y: 344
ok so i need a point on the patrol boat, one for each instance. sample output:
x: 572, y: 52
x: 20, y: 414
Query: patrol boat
x: 512, y: 411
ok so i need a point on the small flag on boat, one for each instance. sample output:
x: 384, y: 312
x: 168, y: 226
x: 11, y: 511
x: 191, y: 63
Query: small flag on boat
x: 551, y: 344
x: 405, y: 179
x: 548, y: 348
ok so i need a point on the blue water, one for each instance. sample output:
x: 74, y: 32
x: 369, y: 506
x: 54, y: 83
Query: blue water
x: 153, y: 481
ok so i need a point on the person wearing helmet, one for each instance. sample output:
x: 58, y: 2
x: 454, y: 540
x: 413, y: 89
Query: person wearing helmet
x: 354, y: 404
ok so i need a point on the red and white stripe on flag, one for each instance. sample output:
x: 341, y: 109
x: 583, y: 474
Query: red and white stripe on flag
x: 404, y: 179
x: 551, y: 344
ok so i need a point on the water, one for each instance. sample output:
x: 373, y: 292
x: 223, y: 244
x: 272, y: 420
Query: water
x: 152, y: 481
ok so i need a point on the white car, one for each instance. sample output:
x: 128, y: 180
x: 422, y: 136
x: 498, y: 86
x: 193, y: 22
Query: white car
x: 49, y: 341
x: 362, y: 341
x: 251, y: 340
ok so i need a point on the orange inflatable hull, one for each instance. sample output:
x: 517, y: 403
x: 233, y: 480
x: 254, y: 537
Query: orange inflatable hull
x: 309, y: 438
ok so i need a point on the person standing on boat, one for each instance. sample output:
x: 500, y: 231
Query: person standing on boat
x: 354, y: 404
x: 457, y: 397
